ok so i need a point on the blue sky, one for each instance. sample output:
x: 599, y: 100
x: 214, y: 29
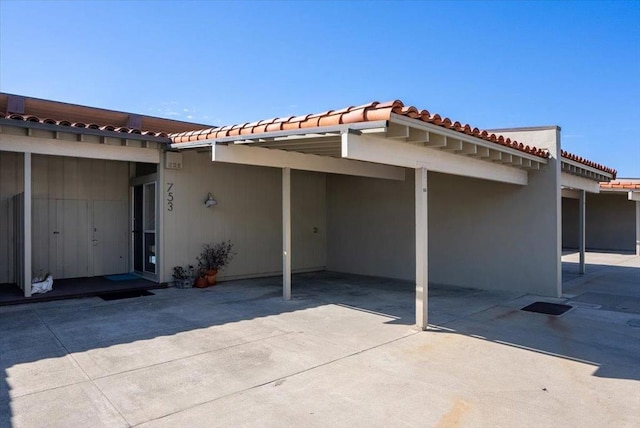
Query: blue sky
x: 489, y: 64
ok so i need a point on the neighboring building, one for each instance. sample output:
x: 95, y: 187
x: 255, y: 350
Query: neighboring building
x: 380, y: 189
x: 612, y: 218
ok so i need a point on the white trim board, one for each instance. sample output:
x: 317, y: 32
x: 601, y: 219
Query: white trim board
x: 579, y: 183
x: 43, y: 146
x: 246, y: 155
x: 384, y: 151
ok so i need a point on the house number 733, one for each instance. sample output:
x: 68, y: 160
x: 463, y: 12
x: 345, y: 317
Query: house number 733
x: 169, y: 197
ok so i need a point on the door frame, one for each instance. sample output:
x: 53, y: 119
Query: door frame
x: 142, y: 181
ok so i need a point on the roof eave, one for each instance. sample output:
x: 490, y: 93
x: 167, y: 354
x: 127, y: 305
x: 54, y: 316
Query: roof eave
x: 82, y: 131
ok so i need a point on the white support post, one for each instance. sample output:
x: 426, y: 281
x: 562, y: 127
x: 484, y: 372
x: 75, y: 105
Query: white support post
x: 27, y: 226
x: 581, y: 228
x: 422, y: 249
x: 637, y: 228
x: 160, y: 211
x: 286, y: 233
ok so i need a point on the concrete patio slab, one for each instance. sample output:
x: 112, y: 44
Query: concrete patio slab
x: 342, y: 352
x: 80, y: 405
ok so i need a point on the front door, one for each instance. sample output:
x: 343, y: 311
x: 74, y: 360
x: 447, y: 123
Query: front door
x: 110, y: 243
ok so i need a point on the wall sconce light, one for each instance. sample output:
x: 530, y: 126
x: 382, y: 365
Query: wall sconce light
x: 209, y: 202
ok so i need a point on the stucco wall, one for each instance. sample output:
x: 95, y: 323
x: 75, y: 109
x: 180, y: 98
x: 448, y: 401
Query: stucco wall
x: 610, y: 222
x: 570, y: 218
x: 482, y: 234
x: 371, y: 226
x: 249, y: 213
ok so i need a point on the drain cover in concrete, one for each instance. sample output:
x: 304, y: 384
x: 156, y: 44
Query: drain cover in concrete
x: 547, y: 308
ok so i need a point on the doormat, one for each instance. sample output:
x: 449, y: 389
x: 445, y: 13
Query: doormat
x: 122, y: 277
x: 547, y: 308
x: 124, y: 294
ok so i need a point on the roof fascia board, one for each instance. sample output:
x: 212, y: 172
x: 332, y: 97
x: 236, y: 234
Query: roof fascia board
x: 83, y: 131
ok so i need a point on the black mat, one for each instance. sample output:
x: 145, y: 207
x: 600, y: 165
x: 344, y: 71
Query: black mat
x: 124, y: 294
x: 72, y: 288
x: 547, y: 308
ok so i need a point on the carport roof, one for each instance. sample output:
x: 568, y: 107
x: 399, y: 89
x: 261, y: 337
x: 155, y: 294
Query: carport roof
x: 371, y: 112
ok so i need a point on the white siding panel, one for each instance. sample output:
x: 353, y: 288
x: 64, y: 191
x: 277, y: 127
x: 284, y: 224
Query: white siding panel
x: 11, y: 167
x: 64, y: 192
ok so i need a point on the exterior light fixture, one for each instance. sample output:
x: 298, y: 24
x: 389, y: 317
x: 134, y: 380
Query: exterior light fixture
x: 209, y: 202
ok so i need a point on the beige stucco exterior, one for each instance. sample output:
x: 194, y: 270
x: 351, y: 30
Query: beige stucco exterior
x: 494, y: 221
x: 610, y: 222
x: 248, y: 213
x: 479, y: 232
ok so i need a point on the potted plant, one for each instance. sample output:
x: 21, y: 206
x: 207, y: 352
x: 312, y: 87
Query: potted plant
x: 213, y: 258
x: 201, y: 280
x: 182, y: 276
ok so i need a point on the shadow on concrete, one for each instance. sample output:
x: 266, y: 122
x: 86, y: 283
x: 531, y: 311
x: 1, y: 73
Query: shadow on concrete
x: 602, y: 329
x: 598, y: 330
x: 49, y: 332
x: 54, y: 330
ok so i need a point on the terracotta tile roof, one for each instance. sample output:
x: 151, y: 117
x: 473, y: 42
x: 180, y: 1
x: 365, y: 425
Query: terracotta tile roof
x: 75, y: 113
x: 374, y: 111
x: 587, y: 162
x: 123, y: 129
x: 621, y: 185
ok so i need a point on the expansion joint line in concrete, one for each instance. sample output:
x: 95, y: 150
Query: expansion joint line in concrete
x: 70, y: 355
x: 344, y: 357
x: 196, y: 354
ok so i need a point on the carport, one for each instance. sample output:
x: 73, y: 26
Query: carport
x: 383, y: 141
x: 612, y: 220
x: 579, y: 177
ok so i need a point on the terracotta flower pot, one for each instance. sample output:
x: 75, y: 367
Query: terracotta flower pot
x: 201, y: 282
x: 211, y: 276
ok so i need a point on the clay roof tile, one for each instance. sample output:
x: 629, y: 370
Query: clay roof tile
x: 344, y: 110
x: 373, y: 111
x: 356, y: 115
x: 372, y: 104
x: 330, y: 120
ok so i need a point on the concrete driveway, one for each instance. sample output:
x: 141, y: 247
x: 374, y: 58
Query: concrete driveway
x: 342, y: 352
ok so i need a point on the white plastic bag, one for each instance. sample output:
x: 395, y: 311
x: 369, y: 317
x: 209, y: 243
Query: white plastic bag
x: 40, y: 285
